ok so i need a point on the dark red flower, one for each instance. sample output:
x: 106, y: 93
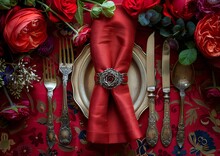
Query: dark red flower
x: 184, y: 9
x: 66, y: 9
x: 135, y: 7
x: 16, y: 112
x: 207, y: 7
x: 83, y: 36
x: 211, y: 96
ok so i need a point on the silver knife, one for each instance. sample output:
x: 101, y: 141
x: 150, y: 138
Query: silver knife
x: 166, y: 133
x: 152, y: 132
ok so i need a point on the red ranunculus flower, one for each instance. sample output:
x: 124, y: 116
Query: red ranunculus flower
x: 83, y: 36
x: 66, y: 9
x: 184, y: 9
x: 16, y: 112
x: 135, y: 7
x: 207, y: 35
x: 25, y: 29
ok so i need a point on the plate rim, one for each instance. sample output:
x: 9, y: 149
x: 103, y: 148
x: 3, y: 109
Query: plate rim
x: 82, y: 59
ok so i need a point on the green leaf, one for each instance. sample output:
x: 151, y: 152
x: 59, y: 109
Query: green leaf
x: 79, y: 12
x: 165, y: 32
x: 180, y: 22
x: 95, y: 12
x: 187, y: 56
x: 142, y: 20
x: 166, y: 21
x: 176, y: 29
x: 190, y: 26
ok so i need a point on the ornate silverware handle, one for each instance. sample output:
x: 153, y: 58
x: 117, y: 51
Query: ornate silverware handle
x: 166, y: 133
x: 152, y: 132
x: 50, y: 126
x: 181, y: 126
x: 65, y: 134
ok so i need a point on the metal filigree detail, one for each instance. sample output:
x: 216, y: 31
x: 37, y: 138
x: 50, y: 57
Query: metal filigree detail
x: 110, y: 78
x: 180, y: 135
x: 152, y: 132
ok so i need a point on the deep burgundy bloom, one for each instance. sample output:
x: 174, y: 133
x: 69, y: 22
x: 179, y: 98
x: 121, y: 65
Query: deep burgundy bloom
x: 16, y: 112
x: 212, y: 96
x: 83, y: 36
x: 207, y: 7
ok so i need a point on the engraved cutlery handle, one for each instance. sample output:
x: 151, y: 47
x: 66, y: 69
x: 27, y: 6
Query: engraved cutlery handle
x: 65, y: 134
x: 181, y: 126
x: 152, y: 132
x: 166, y: 134
x: 50, y: 126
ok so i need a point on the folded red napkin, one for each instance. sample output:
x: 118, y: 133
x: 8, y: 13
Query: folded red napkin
x: 111, y: 114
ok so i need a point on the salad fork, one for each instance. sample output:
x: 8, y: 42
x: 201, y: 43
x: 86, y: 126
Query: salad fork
x: 66, y: 59
x: 49, y: 77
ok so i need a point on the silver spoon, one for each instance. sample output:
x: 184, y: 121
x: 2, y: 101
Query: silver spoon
x: 182, y: 77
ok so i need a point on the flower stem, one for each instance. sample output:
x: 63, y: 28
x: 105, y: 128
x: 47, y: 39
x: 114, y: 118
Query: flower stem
x: 91, y: 1
x: 87, y: 9
x: 51, y: 10
x: 8, y: 97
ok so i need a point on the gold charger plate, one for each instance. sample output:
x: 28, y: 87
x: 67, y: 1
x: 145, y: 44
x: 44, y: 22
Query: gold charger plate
x: 83, y: 80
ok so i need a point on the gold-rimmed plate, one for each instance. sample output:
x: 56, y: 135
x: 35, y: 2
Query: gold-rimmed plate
x: 83, y: 80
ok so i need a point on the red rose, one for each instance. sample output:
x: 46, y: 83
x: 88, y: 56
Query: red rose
x: 207, y: 35
x: 184, y: 9
x: 66, y: 9
x: 25, y: 29
x: 16, y: 112
x: 83, y: 36
x: 135, y: 7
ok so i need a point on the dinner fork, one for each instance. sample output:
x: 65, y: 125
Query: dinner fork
x: 66, y: 59
x: 49, y: 77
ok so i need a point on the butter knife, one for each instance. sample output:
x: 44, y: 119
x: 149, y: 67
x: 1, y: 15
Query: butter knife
x: 166, y: 133
x: 152, y: 132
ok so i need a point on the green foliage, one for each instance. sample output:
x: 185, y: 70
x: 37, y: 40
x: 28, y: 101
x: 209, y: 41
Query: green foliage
x: 7, y: 4
x: 79, y: 12
x: 188, y: 56
x: 178, y: 29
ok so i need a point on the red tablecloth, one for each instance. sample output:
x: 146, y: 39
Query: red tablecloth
x: 202, y: 132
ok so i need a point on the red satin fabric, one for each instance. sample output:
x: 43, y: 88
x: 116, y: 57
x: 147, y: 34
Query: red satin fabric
x: 111, y: 114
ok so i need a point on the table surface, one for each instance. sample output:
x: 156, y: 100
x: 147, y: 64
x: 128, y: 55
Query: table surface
x: 202, y: 131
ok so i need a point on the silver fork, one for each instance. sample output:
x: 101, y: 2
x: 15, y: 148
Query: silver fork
x: 49, y: 76
x: 66, y: 59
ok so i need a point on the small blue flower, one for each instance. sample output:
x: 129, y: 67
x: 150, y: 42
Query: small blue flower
x: 6, y: 75
x: 179, y: 151
x: 202, y: 143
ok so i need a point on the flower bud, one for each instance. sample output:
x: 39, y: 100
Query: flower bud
x: 108, y: 8
x: 95, y: 12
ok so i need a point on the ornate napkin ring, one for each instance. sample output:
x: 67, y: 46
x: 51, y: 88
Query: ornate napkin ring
x: 111, y: 78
